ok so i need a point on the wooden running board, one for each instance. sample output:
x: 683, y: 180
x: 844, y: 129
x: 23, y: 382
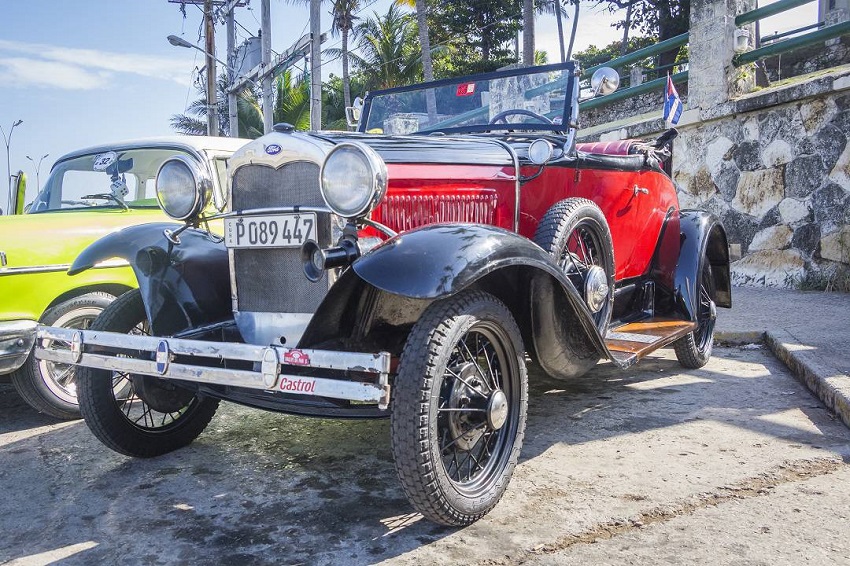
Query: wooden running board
x: 630, y: 342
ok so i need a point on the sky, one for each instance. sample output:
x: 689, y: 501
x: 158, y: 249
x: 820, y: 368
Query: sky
x: 87, y: 72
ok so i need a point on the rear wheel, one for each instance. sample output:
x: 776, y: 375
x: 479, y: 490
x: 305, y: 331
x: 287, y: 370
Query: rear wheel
x: 459, y: 408
x: 694, y: 349
x: 575, y: 233
x: 133, y: 414
x: 49, y: 387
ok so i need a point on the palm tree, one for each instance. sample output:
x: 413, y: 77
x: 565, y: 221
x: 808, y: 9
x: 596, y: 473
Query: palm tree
x: 528, y: 32
x: 292, y: 100
x: 194, y: 122
x: 389, y: 56
x: 421, y: 8
x: 343, y: 23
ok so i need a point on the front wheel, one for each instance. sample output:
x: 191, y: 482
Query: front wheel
x: 459, y: 408
x: 138, y: 415
x: 51, y: 387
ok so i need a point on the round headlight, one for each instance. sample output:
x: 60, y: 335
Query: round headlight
x: 354, y: 179
x: 182, y: 190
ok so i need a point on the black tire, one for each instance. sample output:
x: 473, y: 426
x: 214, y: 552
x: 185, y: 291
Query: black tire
x: 575, y: 233
x: 694, y: 349
x: 120, y: 408
x: 440, y: 391
x: 48, y: 387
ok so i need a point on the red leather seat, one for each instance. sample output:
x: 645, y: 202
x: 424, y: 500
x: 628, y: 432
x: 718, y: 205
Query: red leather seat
x: 618, y: 147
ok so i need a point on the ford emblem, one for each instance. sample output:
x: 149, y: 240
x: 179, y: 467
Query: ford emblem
x: 273, y: 149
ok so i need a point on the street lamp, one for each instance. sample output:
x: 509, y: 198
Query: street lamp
x: 180, y: 42
x: 8, y: 141
x: 37, y: 168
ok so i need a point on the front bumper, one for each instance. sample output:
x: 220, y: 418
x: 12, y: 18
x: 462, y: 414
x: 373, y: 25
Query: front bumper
x: 16, y: 340
x: 155, y: 357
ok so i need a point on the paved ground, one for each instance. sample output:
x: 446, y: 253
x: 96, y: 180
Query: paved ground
x: 733, y: 463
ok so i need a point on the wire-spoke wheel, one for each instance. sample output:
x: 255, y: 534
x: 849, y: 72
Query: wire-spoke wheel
x: 133, y: 414
x: 51, y: 387
x: 694, y: 349
x: 459, y: 408
x: 575, y: 233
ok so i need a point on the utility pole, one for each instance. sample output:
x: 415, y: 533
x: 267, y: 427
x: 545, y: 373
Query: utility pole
x: 232, y: 107
x: 266, y: 39
x: 315, y: 66
x: 212, y: 95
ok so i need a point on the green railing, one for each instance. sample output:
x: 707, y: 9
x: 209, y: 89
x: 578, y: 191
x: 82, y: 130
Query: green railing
x: 634, y: 56
x: 778, y: 47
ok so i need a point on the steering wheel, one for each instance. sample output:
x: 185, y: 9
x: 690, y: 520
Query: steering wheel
x: 502, y: 116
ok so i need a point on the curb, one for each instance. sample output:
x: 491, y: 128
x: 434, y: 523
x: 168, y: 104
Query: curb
x: 830, y: 385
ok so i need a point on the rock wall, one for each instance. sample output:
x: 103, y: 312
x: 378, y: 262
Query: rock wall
x: 779, y: 178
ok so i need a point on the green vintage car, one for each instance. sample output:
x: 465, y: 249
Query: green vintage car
x: 89, y: 194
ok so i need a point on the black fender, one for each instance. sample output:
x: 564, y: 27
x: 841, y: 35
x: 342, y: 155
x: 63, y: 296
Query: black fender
x: 405, y: 274
x: 183, y: 286
x: 701, y: 235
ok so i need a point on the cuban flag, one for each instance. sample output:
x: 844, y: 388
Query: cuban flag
x: 672, y: 104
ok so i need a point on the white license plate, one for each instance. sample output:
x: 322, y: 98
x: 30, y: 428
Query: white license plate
x: 277, y: 231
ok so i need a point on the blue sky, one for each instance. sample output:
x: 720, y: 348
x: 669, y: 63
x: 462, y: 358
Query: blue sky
x: 86, y: 72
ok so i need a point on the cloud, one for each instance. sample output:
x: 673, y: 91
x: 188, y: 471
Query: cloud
x: 21, y: 64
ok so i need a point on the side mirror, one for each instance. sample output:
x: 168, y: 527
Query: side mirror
x: 604, y: 81
x: 352, y: 113
x: 18, y: 193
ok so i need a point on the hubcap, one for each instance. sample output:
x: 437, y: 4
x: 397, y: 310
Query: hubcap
x: 595, y: 288
x: 497, y: 409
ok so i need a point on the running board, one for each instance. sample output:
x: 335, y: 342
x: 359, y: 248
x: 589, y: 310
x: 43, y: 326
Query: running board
x: 630, y: 342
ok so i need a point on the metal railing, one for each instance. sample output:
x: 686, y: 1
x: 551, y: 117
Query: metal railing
x: 779, y: 47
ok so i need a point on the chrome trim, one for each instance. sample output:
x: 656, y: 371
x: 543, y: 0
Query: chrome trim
x: 271, y: 210
x: 16, y: 341
x: 379, y: 227
x: 518, y: 181
x: 60, y: 267
x: 267, y: 378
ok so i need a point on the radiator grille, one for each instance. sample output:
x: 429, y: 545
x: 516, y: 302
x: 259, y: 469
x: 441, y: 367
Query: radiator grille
x: 404, y: 212
x: 272, y: 280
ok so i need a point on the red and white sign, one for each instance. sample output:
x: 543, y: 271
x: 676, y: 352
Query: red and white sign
x: 465, y: 89
x: 296, y: 358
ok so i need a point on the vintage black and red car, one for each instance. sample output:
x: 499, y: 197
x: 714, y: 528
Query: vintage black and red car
x: 404, y: 271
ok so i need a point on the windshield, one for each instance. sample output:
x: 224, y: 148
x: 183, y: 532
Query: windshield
x: 114, y: 179
x: 529, y: 98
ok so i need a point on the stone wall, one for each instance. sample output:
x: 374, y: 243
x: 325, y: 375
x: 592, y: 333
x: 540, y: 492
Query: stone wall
x: 779, y: 178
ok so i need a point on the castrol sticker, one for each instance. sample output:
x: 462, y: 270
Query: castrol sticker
x: 296, y: 358
x: 297, y: 384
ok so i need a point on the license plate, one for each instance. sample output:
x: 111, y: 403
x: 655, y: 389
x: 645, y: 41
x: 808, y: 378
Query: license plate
x: 277, y: 231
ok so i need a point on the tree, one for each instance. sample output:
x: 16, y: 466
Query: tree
x: 421, y: 7
x: 474, y: 35
x: 292, y: 100
x: 389, y: 53
x: 344, y: 19
x: 194, y: 122
x: 528, y: 32
x: 660, y: 19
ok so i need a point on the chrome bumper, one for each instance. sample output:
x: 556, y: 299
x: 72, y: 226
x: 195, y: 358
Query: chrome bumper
x: 156, y: 356
x: 16, y: 340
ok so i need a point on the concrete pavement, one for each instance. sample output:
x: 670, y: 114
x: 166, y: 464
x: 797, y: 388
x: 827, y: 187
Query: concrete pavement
x: 808, y: 330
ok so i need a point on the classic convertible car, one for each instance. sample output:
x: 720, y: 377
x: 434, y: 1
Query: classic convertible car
x: 90, y: 193
x: 404, y: 271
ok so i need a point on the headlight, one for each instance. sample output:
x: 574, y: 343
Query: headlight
x: 354, y: 179
x: 182, y: 189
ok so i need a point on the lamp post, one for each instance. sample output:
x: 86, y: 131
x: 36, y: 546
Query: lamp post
x: 8, y: 142
x: 37, y: 168
x: 180, y: 42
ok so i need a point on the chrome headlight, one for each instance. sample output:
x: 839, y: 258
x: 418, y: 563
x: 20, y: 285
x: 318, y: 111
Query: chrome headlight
x: 354, y: 179
x: 183, y: 190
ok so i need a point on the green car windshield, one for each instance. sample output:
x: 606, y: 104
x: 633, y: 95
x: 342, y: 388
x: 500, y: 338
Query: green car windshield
x: 514, y: 99
x: 110, y: 179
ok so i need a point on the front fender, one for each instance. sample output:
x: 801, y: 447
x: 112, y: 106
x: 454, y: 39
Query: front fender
x: 183, y: 286
x: 437, y: 261
x: 702, y: 235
